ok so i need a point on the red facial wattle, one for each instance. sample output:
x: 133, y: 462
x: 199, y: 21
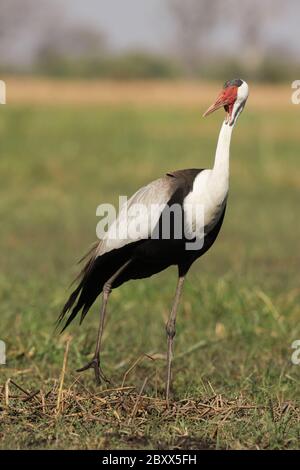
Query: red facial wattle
x: 226, y: 99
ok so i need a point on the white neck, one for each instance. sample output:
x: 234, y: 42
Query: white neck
x: 219, y: 177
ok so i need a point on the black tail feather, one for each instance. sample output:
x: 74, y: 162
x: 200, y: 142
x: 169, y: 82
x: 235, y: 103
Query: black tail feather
x: 96, y: 271
x: 70, y: 318
x: 86, y: 292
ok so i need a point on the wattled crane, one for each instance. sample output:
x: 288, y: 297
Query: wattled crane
x: 115, y: 260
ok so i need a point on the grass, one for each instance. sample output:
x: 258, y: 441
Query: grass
x: 234, y: 384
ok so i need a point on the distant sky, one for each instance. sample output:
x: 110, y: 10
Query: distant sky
x: 145, y: 24
x: 128, y: 23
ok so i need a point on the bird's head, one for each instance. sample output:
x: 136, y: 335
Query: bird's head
x: 233, y: 98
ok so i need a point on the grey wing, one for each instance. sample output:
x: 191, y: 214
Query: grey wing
x: 139, y: 215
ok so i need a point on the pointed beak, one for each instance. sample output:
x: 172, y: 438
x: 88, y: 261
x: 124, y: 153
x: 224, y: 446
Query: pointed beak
x: 225, y: 99
x: 221, y: 101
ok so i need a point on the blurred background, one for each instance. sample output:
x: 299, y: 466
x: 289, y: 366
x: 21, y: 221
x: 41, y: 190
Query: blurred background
x: 159, y: 39
x: 104, y: 96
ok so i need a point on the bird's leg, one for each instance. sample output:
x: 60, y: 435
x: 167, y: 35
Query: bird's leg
x: 95, y: 362
x: 171, y: 331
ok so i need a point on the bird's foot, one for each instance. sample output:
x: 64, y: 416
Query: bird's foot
x: 95, y: 364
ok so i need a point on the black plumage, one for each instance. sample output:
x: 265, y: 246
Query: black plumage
x: 149, y: 256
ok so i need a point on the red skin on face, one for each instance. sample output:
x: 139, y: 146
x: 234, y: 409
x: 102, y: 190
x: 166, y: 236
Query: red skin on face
x: 226, y: 98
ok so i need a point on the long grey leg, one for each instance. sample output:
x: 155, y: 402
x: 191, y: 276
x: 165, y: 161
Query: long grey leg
x: 171, y: 331
x: 95, y: 362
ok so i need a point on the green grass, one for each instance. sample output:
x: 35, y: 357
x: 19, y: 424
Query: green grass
x: 240, y: 309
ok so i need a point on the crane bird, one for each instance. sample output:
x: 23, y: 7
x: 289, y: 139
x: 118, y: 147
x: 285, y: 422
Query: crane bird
x: 115, y: 260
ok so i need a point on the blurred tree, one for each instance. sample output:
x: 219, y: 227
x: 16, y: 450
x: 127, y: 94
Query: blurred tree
x: 240, y: 29
x: 72, y: 43
x: 40, y: 32
x: 65, y: 49
x: 252, y: 18
x: 21, y: 23
x: 13, y: 15
x: 195, y: 21
x: 14, y: 18
x: 138, y: 65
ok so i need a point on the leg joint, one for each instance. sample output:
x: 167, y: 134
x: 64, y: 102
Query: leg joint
x: 107, y: 288
x: 170, y: 329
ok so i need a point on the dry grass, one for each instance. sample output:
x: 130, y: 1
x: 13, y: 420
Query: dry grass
x: 129, y: 412
x: 126, y: 415
x: 138, y: 93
